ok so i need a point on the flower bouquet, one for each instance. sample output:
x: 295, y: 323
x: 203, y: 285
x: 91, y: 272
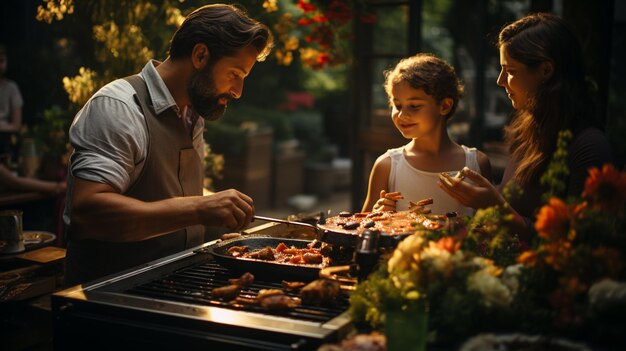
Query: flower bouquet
x: 444, y: 287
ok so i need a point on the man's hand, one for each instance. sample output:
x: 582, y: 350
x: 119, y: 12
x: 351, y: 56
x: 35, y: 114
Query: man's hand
x: 99, y: 212
x: 229, y: 208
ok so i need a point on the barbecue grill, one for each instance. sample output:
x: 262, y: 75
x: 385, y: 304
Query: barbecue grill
x: 168, y: 303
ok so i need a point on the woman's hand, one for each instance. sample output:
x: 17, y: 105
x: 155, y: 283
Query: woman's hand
x: 387, y: 201
x: 481, y: 194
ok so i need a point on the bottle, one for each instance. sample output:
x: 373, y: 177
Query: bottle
x: 30, y: 159
x: 367, y: 253
x: 451, y: 222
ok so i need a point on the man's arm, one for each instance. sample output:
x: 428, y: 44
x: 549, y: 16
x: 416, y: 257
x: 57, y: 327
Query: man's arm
x: 100, y: 212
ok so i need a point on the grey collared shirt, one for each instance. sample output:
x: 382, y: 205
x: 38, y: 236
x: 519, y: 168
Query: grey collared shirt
x: 110, y: 137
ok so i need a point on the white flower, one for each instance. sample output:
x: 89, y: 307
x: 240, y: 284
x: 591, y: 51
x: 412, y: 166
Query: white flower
x: 441, y: 260
x: 494, y: 292
x: 403, y: 266
x: 510, y: 277
x: 405, y: 254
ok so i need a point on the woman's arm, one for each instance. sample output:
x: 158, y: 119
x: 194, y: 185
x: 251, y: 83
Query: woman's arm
x: 483, y: 194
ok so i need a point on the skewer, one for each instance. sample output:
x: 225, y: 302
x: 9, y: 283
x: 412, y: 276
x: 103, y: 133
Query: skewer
x: 284, y: 221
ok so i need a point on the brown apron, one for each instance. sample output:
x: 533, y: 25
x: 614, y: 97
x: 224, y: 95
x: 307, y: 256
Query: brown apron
x: 172, y: 169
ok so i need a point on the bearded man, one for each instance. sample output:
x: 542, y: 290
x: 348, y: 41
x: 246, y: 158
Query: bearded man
x: 135, y: 177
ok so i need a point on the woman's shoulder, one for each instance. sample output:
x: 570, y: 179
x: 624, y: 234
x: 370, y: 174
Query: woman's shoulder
x: 590, y: 146
x: 589, y: 138
x: 589, y: 132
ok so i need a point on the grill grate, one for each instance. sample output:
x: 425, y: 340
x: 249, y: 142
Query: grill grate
x: 194, y: 284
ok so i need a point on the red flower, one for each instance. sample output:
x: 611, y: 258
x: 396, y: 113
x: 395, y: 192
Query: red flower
x: 304, y: 22
x: 368, y: 19
x: 305, y: 6
x: 606, y: 189
x: 323, y: 58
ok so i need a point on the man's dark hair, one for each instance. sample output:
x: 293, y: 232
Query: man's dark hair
x: 224, y: 29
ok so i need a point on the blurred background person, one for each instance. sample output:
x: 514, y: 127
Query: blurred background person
x: 10, y: 110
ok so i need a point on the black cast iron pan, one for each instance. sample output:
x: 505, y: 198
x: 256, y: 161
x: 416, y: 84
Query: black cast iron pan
x: 349, y: 237
x: 270, y: 269
x: 339, y: 236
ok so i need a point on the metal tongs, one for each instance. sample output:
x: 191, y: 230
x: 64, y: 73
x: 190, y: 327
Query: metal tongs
x: 317, y: 230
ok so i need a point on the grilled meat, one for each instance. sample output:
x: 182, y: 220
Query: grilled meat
x: 279, y: 302
x: 265, y: 253
x: 227, y: 293
x: 263, y: 293
x: 312, y: 258
x: 292, y: 285
x: 245, y: 301
x: 275, y: 299
x: 321, y: 291
x: 237, y: 251
x: 245, y: 280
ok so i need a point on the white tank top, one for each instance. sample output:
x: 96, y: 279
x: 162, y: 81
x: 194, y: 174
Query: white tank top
x: 416, y: 184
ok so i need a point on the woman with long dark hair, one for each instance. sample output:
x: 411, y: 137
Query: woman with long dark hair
x: 543, y: 74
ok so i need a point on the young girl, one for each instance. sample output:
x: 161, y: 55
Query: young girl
x: 423, y: 92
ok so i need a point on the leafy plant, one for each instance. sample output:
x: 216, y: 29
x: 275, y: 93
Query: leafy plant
x: 49, y: 133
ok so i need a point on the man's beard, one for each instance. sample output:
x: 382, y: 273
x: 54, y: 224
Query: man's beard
x: 203, y: 95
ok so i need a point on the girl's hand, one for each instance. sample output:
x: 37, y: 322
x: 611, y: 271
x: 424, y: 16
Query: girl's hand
x: 387, y: 201
x: 481, y: 194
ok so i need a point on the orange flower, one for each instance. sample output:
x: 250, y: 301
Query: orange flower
x: 606, y: 188
x: 528, y: 258
x: 553, y: 220
x: 449, y: 244
x: 557, y: 254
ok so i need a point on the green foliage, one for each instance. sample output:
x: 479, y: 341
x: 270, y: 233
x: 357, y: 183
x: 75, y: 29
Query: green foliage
x: 489, y: 236
x: 309, y: 130
x: 49, y: 132
x: 370, y: 295
x: 225, y: 138
x: 241, y: 114
x: 555, y: 176
x: 228, y: 135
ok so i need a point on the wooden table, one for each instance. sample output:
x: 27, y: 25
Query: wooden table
x: 26, y: 321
